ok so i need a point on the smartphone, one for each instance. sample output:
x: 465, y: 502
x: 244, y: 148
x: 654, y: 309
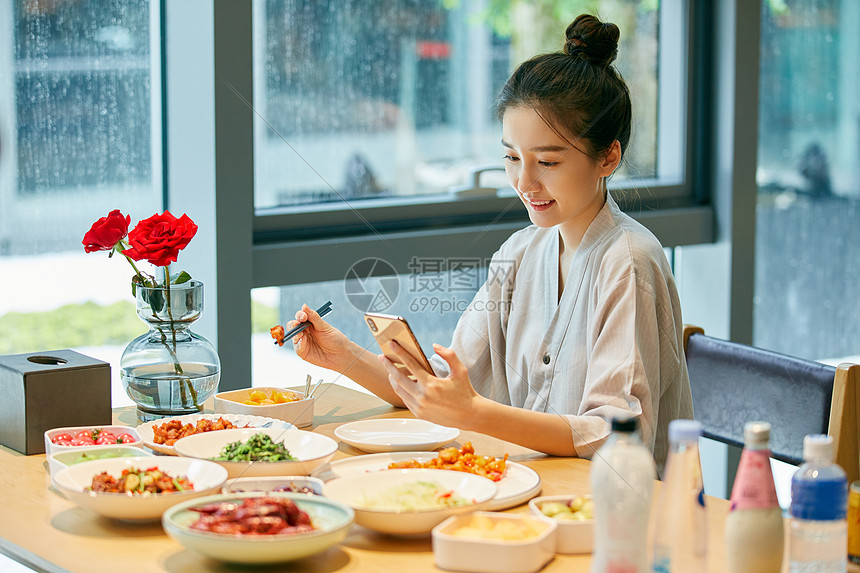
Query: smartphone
x: 388, y: 327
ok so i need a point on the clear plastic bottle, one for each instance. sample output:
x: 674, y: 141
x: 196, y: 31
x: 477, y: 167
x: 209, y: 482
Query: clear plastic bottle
x: 622, y: 482
x: 754, y: 528
x: 680, y: 541
x: 819, y: 501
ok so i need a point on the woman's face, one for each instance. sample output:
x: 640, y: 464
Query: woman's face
x: 557, y: 182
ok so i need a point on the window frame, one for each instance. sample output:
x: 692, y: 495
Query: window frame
x: 317, y: 243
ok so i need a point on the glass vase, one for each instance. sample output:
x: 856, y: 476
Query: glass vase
x: 170, y: 370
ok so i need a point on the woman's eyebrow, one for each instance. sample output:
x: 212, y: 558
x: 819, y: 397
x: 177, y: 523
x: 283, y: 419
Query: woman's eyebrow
x: 541, y: 148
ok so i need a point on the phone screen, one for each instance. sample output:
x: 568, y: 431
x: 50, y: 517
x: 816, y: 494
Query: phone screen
x: 387, y: 327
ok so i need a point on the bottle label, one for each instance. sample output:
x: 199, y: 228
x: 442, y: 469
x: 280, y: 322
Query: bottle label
x: 753, y: 488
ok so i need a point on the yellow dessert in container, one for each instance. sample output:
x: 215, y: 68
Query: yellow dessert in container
x: 483, y: 527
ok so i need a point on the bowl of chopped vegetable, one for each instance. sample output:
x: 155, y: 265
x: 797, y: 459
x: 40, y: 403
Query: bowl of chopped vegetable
x: 138, y: 488
x: 253, y: 452
x: 225, y: 526
x: 410, y: 501
x: 574, y: 515
x: 79, y: 437
x: 60, y: 460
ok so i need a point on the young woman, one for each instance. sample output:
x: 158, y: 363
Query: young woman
x: 579, y: 321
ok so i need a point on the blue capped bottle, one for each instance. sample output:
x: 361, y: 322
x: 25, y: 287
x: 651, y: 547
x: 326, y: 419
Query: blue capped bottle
x: 819, y: 502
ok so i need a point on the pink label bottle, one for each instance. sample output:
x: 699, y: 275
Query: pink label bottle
x: 754, y: 527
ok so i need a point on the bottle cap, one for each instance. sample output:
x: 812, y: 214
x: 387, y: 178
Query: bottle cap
x: 684, y: 430
x: 818, y: 446
x: 757, y: 432
x: 624, y: 424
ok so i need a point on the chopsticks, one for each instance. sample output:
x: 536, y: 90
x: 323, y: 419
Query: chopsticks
x: 322, y: 311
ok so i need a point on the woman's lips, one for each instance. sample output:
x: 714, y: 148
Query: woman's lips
x: 540, y: 205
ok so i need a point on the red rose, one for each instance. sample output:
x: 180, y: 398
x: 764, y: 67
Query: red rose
x: 106, y: 232
x: 160, y: 238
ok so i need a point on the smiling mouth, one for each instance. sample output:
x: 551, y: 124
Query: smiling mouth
x: 541, y: 203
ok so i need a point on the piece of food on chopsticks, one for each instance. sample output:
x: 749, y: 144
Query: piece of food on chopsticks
x: 253, y: 516
x: 170, y: 431
x: 278, y: 334
x: 135, y: 481
x: 415, y: 496
x: 259, y: 448
x: 462, y: 460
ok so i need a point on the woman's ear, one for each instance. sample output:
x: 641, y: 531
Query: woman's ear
x: 611, y: 159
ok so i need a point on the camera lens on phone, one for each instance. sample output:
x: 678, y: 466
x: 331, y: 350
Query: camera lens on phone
x: 371, y: 324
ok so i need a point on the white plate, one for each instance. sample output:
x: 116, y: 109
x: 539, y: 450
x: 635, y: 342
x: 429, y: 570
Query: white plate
x: 395, y: 435
x: 517, y: 486
x: 239, y: 420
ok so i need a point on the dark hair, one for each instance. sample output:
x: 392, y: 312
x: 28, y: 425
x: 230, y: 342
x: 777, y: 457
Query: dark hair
x: 576, y: 91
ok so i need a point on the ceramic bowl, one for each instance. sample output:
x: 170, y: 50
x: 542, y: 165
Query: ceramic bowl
x: 574, y: 535
x: 299, y: 412
x: 330, y: 518
x: 310, y: 450
x: 61, y: 460
x: 206, y: 477
x: 488, y: 555
x: 295, y: 484
x: 52, y: 448
x: 359, y: 491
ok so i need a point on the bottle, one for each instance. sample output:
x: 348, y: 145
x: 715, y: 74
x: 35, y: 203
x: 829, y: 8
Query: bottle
x: 819, y: 500
x: 680, y: 541
x: 754, y: 528
x: 622, y: 482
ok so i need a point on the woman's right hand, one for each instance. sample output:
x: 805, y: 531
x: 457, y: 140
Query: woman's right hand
x: 320, y: 344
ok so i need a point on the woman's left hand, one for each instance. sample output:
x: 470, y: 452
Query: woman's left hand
x: 447, y: 401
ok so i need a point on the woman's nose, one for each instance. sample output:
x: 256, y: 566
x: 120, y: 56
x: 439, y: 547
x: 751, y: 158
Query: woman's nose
x: 528, y: 180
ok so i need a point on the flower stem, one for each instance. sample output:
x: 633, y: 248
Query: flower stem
x: 177, y: 367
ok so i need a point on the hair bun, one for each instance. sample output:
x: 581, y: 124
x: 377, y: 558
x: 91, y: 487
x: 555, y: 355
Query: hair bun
x: 592, y: 40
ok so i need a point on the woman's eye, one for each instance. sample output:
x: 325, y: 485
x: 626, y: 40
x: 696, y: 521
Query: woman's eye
x: 511, y: 158
x: 548, y: 163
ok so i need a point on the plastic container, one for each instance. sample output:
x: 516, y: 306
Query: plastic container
x: 622, y: 483
x: 819, y: 501
x: 680, y: 544
x: 754, y: 528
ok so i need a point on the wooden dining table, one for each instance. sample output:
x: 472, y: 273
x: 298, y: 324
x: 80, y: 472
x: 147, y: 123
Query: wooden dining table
x: 42, y: 529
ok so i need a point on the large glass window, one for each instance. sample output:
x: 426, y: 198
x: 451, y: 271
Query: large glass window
x: 809, y: 180
x: 80, y: 135
x: 366, y: 100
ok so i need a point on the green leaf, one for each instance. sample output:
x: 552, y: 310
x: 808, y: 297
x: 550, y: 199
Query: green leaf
x: 182, y: 277
x: 135, y: 280
x: 155, y: 299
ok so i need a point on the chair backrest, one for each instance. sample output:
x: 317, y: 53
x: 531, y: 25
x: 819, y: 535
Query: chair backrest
x: 734, y: 383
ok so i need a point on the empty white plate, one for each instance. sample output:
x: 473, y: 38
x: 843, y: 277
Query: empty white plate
x: 395, y: 435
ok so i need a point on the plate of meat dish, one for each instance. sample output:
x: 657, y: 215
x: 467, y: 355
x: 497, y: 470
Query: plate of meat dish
x: 226, y: 526
x: 517, y: 483
x: 161, y: 434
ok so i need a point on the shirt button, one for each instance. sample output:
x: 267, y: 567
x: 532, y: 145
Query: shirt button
x: 546, y: 358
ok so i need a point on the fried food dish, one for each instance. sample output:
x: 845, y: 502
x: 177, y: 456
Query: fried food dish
x: 462, y: 460
x: 170, y: 431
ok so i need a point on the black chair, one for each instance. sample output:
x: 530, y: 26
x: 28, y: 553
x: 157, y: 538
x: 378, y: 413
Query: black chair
x: 735, y: 383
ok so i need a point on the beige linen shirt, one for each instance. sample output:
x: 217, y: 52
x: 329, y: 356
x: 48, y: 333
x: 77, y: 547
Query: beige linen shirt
x: 612, y: 345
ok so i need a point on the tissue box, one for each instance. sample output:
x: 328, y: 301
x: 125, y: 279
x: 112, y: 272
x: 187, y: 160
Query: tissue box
x: 47, y: 390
